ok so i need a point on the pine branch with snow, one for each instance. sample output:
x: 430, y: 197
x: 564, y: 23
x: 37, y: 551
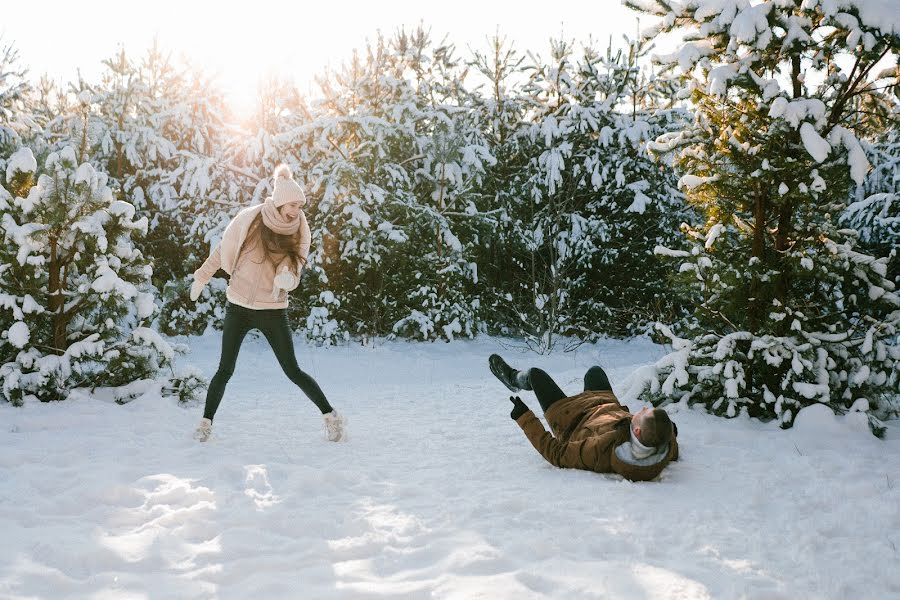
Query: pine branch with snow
x: 789, y: 311
x: 75, y: 305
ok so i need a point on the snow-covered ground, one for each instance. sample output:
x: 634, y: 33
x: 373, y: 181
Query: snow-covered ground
x: 437, y: 493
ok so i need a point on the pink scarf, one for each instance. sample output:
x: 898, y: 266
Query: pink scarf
x: 274, y: 221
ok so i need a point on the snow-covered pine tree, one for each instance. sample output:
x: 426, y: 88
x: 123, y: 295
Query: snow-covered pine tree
x: 208, y: 188
x: 157, y: 130
x: 596, y: 205
x: 74, y: 300
x: 13, y: 89
x: 633, y: 203
x: 786, y: 317
x: 279, y: 132
x: 343, y: 156
x: 390, y: 164
x: 500, y: 107
x: 164, y: 136
x: 443, y: 298
x: 875, y: 211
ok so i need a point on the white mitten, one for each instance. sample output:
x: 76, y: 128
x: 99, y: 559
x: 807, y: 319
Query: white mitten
x: 284, y: 280
x: 196, y: 288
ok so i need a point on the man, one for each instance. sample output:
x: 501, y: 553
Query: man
x: 591, y: 431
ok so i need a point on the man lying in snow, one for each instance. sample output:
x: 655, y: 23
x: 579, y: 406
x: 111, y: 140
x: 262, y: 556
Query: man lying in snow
x: 591, y: 431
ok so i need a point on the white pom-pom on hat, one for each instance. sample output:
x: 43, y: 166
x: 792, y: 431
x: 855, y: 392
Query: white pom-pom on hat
x: 282, y: 171
x: 286, y: 189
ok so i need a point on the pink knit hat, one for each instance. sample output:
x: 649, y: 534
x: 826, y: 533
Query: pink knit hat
x: 286, y: 189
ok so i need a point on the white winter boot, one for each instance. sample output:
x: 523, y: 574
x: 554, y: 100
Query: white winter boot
x: 334, y: 426
x: 204, y: 430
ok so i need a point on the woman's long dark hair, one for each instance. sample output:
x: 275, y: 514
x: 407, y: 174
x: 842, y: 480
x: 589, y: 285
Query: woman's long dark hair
x: 275, y: 245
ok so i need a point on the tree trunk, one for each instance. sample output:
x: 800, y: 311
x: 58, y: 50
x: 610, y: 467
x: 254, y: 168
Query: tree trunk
x: 56, y: 301
x: 782, y: 245
x: 795, y: 76
x: 760, y: 207
x: 440, y: 245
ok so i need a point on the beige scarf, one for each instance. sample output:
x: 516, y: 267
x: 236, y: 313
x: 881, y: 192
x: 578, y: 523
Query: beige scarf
x: 277, y: 223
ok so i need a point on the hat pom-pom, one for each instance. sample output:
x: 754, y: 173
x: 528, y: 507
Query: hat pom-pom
x: 283, y: 171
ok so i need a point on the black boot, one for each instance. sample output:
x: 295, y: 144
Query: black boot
x: 512, y: 379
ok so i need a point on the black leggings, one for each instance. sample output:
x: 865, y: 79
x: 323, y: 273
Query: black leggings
x: 548, y: 392
x: 273, y: 324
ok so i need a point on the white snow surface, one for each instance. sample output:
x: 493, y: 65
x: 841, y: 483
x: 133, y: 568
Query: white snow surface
x: 436, y: 494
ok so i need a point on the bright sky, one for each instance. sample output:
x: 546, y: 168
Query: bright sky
x: 243, y: 42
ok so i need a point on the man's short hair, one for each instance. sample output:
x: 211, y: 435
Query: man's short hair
x: 656, y: 428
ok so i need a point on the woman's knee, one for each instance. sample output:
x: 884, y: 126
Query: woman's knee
x: 295, y: 373
x: 224, y: 373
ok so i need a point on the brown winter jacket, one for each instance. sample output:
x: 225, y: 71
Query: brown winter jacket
x: 587, y: 428
x: 252, y: 283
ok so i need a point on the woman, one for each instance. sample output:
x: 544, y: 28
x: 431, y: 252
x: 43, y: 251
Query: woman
x: 264, y: 250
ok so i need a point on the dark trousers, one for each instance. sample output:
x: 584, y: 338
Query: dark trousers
x: 273, y: 324
x: 548, y: 392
